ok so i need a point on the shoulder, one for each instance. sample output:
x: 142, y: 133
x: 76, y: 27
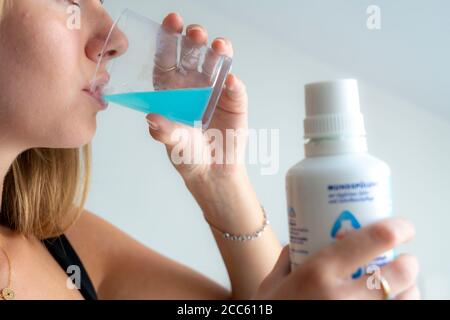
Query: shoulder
x: 95, y: 240
x: 100, y: 244
x: 102, y: 247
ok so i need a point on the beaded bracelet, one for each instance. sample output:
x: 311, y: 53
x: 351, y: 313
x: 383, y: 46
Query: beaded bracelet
x: 243, y: 237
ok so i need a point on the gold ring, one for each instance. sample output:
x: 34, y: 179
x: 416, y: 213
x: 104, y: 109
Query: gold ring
x: 164, y: 70
x: 386, y: 288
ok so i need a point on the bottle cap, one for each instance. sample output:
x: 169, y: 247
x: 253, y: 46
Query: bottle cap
x: 333, y: 110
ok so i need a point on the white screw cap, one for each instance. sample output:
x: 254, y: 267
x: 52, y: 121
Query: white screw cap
x: 333, y: 110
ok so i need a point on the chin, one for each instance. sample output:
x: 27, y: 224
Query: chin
x: 76, y: 137
x: 85, y: 137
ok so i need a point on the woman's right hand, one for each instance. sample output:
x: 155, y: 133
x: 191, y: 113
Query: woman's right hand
x: 327, y: 274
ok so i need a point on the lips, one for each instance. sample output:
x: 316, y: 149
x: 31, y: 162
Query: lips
x: 95, y: 89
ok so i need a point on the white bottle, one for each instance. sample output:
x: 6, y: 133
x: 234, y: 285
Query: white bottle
x: 339, y: 186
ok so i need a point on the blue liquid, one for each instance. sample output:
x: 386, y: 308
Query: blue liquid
x: 182, y: 105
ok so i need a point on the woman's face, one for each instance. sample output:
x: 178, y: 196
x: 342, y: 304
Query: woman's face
x: 46, y: 68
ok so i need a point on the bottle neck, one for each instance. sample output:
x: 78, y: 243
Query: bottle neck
x: 335, y: 146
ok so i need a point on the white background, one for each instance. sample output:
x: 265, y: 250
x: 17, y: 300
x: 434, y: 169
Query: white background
x: 281, y: 45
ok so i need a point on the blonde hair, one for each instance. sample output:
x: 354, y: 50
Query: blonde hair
x: 44, y: 190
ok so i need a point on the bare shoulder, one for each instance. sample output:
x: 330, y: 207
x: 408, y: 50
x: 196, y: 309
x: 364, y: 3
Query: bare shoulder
x: 90, y: 237
x: 121, y: 267
x: 100, y: 245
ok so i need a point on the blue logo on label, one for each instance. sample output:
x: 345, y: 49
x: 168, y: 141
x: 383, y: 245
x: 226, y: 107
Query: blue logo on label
x: 345, y: 223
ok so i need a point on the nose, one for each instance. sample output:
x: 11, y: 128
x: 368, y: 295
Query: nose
x: 107, y: 44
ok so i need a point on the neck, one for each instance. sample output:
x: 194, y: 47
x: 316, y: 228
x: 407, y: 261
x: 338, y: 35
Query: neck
x: 335, y: 146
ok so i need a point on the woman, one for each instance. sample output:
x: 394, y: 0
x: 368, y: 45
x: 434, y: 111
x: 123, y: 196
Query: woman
x: 47, y: 118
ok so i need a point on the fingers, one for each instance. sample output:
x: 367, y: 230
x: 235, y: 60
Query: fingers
x: 223, y: 46
x: 196, y: 37
x: 177, y: 137
x: 234, y: 98
x: 167, y: 43
x: 361, y: 246
x: 412, y: 293
x: 161, y: 129
x: 191, y: 44
x: 220, y: 47
x: 197, y: 34
x: 173, y: 23
x: 401, y: 275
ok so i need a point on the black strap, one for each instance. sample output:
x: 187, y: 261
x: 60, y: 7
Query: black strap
x: 63, y: 252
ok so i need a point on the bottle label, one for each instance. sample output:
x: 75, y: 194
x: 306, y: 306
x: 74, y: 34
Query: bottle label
x: 321, y: 213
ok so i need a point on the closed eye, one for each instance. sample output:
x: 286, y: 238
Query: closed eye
x: 76, y: 3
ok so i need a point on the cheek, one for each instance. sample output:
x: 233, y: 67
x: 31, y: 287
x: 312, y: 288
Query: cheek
x: 44, y: 96
x: 49, y: 63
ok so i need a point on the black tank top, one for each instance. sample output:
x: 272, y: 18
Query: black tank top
x: 63, y: 252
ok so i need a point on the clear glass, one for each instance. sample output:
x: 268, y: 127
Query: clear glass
x: 161, y: 72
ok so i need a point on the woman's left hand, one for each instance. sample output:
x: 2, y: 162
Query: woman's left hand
x: 204, y: 156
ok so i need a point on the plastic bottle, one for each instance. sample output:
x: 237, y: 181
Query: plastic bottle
x: 338, y: 187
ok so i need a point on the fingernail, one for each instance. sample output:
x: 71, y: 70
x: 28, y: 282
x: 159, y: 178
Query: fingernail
x: 194, y: 28
x: 221, y: 41
x: 153, y: 125
x: 230, y: 82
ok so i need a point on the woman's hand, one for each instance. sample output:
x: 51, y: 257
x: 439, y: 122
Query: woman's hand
x: 326, y: 275
x: 212, y: 162
x: 203, y: 162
